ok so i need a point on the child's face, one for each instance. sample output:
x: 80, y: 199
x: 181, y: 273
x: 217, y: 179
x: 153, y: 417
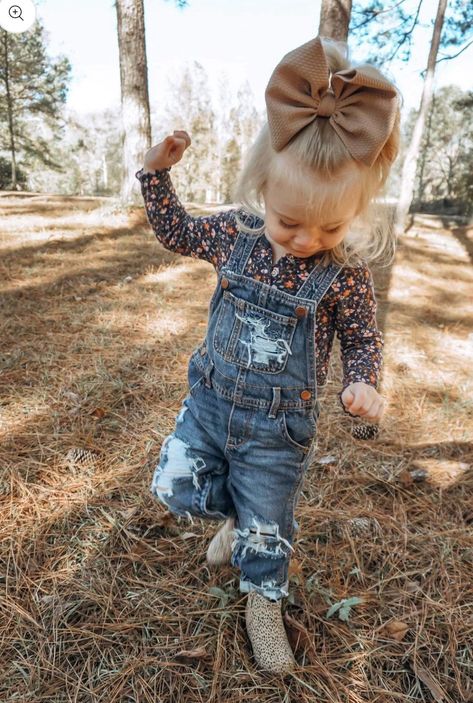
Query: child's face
x: 288, y: 226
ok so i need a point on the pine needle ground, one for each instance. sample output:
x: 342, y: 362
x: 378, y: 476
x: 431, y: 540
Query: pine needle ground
x: 106, y: 596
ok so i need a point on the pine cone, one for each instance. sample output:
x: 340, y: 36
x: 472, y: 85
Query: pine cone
x: 364, y: 431
x: 81, y: 458
x: 356, y: 527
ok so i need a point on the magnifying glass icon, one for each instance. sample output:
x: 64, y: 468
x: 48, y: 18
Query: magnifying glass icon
x: 15, y: 11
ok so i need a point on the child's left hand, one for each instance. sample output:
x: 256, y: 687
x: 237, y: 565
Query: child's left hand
x: 362, y: 399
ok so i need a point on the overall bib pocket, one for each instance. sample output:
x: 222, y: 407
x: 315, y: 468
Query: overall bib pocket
x: 251, y: 336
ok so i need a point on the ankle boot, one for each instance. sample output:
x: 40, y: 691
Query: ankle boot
x: 219, y: 550
x: 267, y: 634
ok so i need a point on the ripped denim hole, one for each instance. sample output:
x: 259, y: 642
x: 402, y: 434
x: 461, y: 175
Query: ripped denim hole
x: 175, y: 453
x: 264, y: 538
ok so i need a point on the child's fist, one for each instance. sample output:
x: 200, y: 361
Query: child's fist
x: 362, y: 399
x: 168, y: 152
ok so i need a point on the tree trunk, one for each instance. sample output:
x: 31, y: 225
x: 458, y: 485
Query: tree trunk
x: 11, y: 132
x: 423, y: 155
x: 410, y: 161
x: 334, y: 19
x: 134, y: 94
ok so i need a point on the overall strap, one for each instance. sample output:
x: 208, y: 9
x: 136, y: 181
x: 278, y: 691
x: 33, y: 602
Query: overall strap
x: 244, y: 245
x: 319, y: 281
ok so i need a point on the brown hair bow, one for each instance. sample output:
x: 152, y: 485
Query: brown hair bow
x: 360, y: 108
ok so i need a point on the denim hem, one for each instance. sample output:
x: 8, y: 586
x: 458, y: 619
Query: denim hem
x: 275, y: 593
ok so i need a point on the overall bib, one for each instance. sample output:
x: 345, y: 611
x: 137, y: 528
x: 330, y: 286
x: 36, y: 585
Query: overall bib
x: 246, y: 432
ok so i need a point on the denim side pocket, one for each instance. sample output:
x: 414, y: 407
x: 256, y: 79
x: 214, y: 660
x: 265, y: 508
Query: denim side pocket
x: 195, y: 375
x: 298, y: 428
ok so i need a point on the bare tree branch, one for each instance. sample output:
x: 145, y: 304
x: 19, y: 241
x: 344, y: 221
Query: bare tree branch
x: 375, y: 13
x: 454, y: 56
x: 407, y: 34
x: 446, y: 58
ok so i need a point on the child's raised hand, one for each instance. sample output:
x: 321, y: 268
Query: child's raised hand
x: 168, y: 152
x: 362, y: 399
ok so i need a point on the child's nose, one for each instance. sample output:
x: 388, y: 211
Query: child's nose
x: 305, y: 239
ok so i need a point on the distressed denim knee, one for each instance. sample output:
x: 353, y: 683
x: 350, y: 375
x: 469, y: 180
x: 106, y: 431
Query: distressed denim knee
x: 263, y: 555
x: 181, y: 483
x: 191, y: 477
x: 175, y: 464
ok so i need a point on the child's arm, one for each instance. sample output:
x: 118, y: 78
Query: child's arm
x: 361, y: 342
x: 200, y: 237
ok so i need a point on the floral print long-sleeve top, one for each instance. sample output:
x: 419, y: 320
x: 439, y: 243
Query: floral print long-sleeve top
x: 348, y: 308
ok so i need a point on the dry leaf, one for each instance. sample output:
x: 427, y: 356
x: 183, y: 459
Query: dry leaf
x: 428, y: 680
x: 396, y: 629
x: 467, y: 556
x: 127, y: 513
x: 411, y: 586
x: 440, y: 472
x: 405, y: 478
x: 75, y: 397
x: 163, y: 519
x: 98, y: 413
x: 295, y: 568
x: 191, y: 656
x: 329, y: 459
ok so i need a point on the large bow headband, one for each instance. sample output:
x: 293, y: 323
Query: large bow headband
x: 360, y: 108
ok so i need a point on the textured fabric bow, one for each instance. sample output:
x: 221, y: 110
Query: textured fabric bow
x: 360, y: 108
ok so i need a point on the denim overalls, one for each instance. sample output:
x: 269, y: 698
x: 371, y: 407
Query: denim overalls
x: 246, y: 431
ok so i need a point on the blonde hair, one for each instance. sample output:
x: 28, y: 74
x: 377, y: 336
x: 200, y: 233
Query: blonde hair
x: 318, y: 149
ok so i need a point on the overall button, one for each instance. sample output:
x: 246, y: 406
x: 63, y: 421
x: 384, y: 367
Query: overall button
x: 224, y: 282
x: 305, y: 395
x: 300, y: 311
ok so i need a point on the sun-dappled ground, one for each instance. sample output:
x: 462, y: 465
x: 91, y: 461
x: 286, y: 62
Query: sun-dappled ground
x: 106, y: 596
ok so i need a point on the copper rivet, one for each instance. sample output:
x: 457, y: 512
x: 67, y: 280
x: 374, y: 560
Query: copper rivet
x: 224, y: 282
x: 300, y: 311
x: 305, y: 395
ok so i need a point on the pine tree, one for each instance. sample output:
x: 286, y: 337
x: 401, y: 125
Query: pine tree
x: 33, y: 88
x: 389, y: 32
x: 243, y: 122
x: 190, y: 108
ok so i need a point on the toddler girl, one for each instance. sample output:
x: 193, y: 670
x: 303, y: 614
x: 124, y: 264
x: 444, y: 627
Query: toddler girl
x: 291, y: 273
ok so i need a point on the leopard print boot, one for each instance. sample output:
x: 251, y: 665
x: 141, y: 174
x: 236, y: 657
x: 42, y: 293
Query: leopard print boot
x: 220, y: 548
x: 267, y: 634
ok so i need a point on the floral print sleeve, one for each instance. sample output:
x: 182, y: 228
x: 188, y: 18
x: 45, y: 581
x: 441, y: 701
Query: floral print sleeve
x: 208, y: 237
x: 361, y: 342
